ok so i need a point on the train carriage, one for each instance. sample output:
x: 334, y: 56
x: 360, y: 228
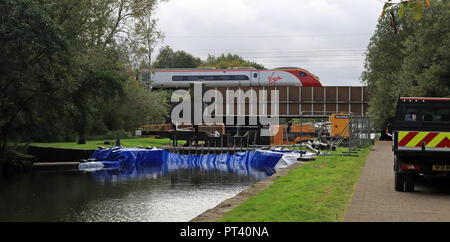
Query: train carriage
x: 231, y: 77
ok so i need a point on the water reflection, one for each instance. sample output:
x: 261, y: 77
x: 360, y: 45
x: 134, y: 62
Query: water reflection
x: 154, y: 171
x: 155, y: 193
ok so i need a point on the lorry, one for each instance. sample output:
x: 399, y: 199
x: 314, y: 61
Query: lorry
x: 421, y: 140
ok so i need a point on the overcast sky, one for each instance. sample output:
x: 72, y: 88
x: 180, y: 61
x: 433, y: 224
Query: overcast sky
x: 326, y: 37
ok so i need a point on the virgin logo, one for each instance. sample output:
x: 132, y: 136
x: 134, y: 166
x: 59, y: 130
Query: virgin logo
x: 273, y: 80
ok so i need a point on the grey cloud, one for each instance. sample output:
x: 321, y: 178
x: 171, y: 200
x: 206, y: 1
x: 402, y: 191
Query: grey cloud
x: 328, y: 37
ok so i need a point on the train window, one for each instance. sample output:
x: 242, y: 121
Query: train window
x: 184, y: 78
x: 255, y: 75
x: 193, y: 78
x: 221, y: 78
x: 211, y: 78
x: 177, y: 78
x: 208, y: 78
x: 302, y: 74
x: 241, y: 77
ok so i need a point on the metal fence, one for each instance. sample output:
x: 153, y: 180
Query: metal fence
x: 359, y: 134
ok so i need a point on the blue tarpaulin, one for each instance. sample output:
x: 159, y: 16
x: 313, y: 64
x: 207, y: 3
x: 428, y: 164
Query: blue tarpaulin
x: 131, y: 161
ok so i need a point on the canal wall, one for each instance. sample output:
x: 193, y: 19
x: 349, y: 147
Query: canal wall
x: 50, y: 154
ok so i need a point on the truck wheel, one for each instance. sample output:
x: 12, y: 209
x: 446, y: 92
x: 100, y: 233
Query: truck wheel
x: 399, y: 182
x: 409, y: 183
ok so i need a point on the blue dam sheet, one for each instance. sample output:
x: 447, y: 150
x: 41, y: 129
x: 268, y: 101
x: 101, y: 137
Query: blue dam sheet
x: 135, y: 161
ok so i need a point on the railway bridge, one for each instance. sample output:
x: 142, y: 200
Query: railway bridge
x: 308, y: 101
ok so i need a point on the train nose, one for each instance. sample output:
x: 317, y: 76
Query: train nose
x: 310, y: 81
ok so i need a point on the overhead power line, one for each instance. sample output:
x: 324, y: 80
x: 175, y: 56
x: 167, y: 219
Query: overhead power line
x: 306, y: 35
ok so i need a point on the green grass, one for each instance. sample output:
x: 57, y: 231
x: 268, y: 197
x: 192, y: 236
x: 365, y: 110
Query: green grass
x: 317, y: 191
x: 93, y: 144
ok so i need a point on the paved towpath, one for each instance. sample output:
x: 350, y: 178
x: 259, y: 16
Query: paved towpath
x: 376, y: 200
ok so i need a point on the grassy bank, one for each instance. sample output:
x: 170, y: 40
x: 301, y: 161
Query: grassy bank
x: 317, y: 191
x: 93, y: 144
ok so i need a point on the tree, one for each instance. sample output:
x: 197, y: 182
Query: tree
x: 168, y: 58
x: 426, y: 66
x: 416, y: 5
x: 32, y: 49
x: 230, y: 60
x: 139, y: 106
x: 391, y: 8
x: 145, y: 35
x: 62, y: 60
x: 413, y: 62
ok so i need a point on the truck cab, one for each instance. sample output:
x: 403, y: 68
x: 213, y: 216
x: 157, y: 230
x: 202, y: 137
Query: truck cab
x: 421, y: 140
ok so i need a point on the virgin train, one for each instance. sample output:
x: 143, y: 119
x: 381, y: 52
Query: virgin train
x: 230, y: 77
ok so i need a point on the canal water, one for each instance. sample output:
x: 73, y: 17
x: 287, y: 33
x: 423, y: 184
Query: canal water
x: 178, y: 195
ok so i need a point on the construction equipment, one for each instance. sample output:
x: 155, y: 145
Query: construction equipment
x: 339, y: 124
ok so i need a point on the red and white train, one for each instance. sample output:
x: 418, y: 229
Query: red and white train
x: 230, y: 77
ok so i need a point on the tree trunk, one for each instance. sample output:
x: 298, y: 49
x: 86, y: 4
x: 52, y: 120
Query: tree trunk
x: 4, y: 138
x: 1, y: 146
